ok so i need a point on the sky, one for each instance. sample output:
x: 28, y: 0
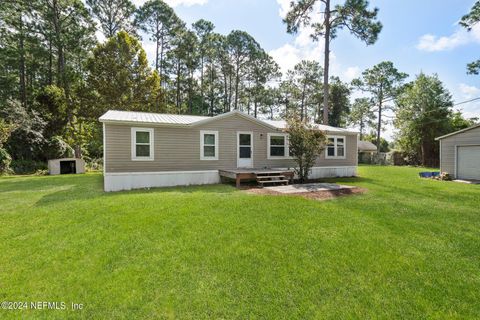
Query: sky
x: 417, y: 36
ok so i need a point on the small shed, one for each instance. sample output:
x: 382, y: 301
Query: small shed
x: 66, y: 166
x: 366, y: 150
x: 366, y: 146
x: 460, y: 153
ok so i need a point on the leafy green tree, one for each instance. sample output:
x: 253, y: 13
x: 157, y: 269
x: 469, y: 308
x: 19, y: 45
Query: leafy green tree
x: 423, y: 112
x: 361, y: 115
x: 305, y: 144
x: 468, y: 21
x: 383, y: 82
x: 120, y: 77
x: 27, y: 140
x: 113, y: 15
x: 52, y: 104
x: 339, y: 101
x: 353, y: 15
x: 458, y: 122
x: 384, y: 144
x: 6, y: 130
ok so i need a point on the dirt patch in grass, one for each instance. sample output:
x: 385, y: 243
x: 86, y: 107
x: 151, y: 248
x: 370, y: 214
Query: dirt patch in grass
x: 317, y: 195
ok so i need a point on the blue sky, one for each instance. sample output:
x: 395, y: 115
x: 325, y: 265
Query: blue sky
x: 421, y: 35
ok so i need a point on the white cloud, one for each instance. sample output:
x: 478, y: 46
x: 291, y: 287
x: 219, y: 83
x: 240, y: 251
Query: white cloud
x: 301, y: 48
x: 351, y: 73
x: 284, y: 7
x: 465, y: 92
x: 175, y: 3
x: 469, y: 92
x: 288, y: 55
x: 432, y: 43
x: 150, y: 50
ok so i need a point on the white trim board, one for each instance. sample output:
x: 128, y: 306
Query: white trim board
x: 202, y: 145
x: 286, y: 145
x: 252, y: 151
x: 151, y: 143
x: 335, y: 147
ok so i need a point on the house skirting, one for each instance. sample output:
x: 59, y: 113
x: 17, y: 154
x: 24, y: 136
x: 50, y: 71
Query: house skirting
x: 140, y: 180
x: 332, y: 172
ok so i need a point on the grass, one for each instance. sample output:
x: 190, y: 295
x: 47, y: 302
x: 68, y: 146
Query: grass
x: 409, y: 248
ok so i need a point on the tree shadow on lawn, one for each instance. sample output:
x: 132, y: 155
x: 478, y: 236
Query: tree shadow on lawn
x: 94, y: 190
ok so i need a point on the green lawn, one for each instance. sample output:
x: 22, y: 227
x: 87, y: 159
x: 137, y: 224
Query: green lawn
x: 409, y: 248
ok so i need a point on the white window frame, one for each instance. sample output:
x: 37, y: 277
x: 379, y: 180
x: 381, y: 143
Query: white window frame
x: 202, y: 144
x: 134, y: 144
x: 287, y: 146
x: 335, y: 145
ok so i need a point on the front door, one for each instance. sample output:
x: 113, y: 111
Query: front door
x: 244, y: 150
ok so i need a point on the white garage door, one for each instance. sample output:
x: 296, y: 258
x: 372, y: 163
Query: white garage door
x: 468, y: 162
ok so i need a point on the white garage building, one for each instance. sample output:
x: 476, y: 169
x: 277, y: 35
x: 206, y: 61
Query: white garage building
x: 460, y: 153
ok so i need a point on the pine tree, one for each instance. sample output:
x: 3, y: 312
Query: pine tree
x: 352, y: 15
x: 121, y: 78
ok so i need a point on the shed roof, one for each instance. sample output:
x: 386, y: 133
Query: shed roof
x: 457, y: 132
x: 115, y: 116
x: 366, y: 146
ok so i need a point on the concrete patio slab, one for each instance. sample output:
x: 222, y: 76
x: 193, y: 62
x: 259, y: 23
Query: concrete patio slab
x: 310, y: 187
x: 467, y: 181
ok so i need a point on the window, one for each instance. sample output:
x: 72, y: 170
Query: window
x: 208, y: 145
x: 142, y: 144
x: 335, y: 147
x: 278, y: 146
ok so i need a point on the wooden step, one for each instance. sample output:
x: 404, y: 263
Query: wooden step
x: 270, y: 177
x: 269, y: 173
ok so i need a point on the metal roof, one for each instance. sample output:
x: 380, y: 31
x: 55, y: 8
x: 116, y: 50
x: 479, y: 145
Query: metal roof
x: 146, y: 117
x: 187, y: 120
x: 282, y: 124
x: 459, y: 131
x: 366, y: 146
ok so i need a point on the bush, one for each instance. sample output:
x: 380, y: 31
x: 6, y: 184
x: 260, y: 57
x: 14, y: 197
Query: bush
x: 28, y: 166
x: 94, y: 164
x: 5, y: 161
x: 56, y: 148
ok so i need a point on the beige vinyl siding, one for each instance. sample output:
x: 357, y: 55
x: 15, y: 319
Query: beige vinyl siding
x: 448, y: 146
x: 178, y: 148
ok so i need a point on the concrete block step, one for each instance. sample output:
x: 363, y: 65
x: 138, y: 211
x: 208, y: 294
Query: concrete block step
x: 273, y: 181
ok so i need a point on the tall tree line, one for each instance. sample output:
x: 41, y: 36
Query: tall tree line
x: 57, y: 77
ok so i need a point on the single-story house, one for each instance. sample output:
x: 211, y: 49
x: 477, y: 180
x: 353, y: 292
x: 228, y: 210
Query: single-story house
x: 144, y: 150
x: 460, y: 153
